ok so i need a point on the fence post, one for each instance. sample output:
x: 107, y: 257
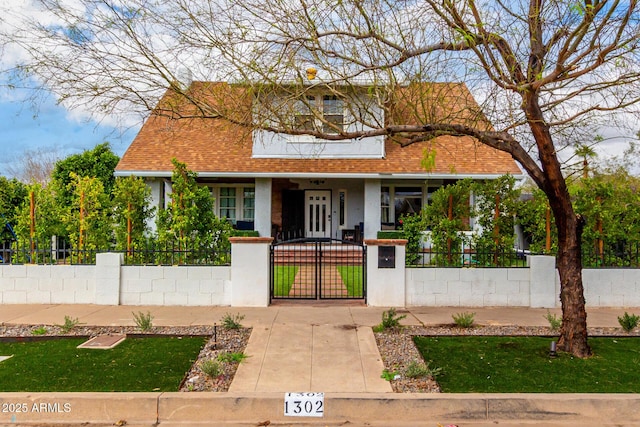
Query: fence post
x: 108, y: 278
x: 386, y: 277
x: 250, y: 271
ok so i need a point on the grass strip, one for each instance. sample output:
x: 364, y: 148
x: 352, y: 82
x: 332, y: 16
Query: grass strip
x: 283, y: 278
x: 352, y: 278
x: 474, y: 364
x: 137, y: 364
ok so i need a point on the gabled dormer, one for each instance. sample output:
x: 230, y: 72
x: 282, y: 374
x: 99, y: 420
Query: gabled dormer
x: 319, y: 109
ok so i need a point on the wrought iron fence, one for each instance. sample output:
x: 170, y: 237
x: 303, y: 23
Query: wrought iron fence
x: 621, y: 255
x: 466, y: 256
x: 151, y: 253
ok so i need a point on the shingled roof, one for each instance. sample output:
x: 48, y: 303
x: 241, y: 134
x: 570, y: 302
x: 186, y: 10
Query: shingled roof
x: 216, y: 147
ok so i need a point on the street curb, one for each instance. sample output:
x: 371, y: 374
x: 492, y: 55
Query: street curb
x: 178, y: 408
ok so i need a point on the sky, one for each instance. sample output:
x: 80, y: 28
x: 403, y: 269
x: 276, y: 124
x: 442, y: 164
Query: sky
x: 50, y: 127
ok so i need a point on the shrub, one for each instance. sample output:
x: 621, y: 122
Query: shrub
x: 418, y: 369
x: 42, y: 330
x: 143, y: 321
x: 554, y: 321
x: 464, y: 320
x: 389, y: 320
x: 232, y: 357
x: 211, y: 368
x: 628, y: 321
x: 232, y: 322
x: 69, y: 324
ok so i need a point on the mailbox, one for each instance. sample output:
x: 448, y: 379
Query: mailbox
x: 386, y: 257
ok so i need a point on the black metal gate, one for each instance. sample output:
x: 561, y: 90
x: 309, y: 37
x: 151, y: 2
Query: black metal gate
x: 318, y: 269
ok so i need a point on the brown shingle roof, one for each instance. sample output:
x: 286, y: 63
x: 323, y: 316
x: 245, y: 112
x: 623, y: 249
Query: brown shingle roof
x: 216, y: 146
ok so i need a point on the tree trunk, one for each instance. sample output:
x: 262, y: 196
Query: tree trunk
x: 573, y: 334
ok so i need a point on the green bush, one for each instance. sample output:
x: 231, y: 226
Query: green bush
x: 211, y: 368
x: 628, y: 321
x: 143, y: 321
x: 232, y: 322
x: 245, y: 233
x: 554, y: 322
x: 232, y: 357
x: 69, y: 324
x: 389, y: 320
x: 390, y: 234
x: 418, y: 370
x: 464, y: 320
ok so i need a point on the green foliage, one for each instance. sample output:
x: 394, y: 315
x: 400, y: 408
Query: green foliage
x: 496, y: 205
x: 12, y: 193
x: 464, y: 320
x: 131, y: 199
x: 628, y: 321
x: 189, y: 220
x: 144, y: 322
x: 532, y: 217
x: 390, y: 319
x: 48, y: 214
x: 87, y: 217
x: 232, y: 357
x: 412, y: 228
x: 610, y: 204
x: 69, y: 324
x: 388, y: 375
x: 554, y: 322
x: 232, y: 321
x: 210, y: 367
x: 390, y: 234
x: 245, y: 233
x: 42, y: 330
x: 446, y: 216
x: 419, y: 370
x: 100, y: 163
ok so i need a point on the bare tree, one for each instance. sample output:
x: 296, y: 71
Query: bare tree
x: 544, y: 70
x: 34, y: 166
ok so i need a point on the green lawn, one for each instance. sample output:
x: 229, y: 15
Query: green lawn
x: 283, y: 277
x: 352, y: 277
x: 137, y: 364
x: 522, y: 365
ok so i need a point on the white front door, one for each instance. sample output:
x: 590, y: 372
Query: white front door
x: 317, y: 213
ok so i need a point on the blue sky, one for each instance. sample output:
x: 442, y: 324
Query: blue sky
x: 47, y: 126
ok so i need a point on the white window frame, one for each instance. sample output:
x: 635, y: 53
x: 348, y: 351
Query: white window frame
x: 317, y: 102
x: 240, y: 214
x: 392, y: 197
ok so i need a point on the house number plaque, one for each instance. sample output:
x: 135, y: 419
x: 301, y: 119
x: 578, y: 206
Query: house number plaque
x: 304, y: 404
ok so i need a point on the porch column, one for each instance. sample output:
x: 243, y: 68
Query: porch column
x: 371, y: 208
x: 262, y: 220
x: 250, y: 271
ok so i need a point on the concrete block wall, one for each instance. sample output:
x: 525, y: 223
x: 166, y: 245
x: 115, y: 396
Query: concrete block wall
x: 606, y: 287
x: 47, y: 284
x: 469, y: 287
x: 175, y: 285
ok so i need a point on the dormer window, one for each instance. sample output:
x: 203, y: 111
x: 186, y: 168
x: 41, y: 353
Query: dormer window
x: 320, y: 112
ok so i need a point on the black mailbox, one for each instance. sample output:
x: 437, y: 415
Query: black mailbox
x: 386, y: 257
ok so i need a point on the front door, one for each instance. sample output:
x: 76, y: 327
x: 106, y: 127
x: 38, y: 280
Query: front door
x: 318, y: 214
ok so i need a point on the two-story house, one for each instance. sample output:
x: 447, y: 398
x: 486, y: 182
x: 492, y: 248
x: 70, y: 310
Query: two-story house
x: 290, y: 186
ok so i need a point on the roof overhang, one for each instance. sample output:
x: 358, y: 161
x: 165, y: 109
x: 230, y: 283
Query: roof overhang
x: 305, y: 175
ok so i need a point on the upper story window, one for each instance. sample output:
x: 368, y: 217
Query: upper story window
x: 320, y: 113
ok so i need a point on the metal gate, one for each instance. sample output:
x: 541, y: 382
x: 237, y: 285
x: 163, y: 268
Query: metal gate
x: 318, y: 269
